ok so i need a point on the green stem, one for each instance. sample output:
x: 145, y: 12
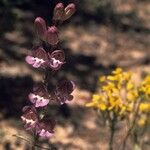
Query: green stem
x: 35, y: 141
x: 112, y: 132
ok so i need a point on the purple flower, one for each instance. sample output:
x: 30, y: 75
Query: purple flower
x: 63, y: 91
x: 39, y: 97
x: 40, y: 27
x: 29, y: 117
x: 52, y: 35
x: 45, y: 128
x: 56, y: 59
x: 69, y: 11
x: 38, y: 58
x: 58, y: 12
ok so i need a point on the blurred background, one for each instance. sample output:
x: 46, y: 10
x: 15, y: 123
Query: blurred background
x: 102, y: 35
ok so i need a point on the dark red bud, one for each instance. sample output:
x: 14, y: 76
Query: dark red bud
x: 69, y: 11
x: 58, y: 11
x: 40, y: 27
x: 52, y: 35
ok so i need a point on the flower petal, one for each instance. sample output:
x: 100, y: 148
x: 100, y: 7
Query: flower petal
x: 30, y: 60
x: 41, y: 102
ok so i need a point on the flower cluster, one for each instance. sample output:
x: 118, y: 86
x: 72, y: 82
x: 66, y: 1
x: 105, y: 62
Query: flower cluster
x: 119, y: 98
x: 145, y: 87
x: 144, y: 106
x: 49, y: 58
x: 117, y: 93
x: 144, y: 114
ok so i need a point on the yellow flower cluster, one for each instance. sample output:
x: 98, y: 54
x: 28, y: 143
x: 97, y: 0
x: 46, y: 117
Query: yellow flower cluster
x: 117, y: 93
x: 145, y: 87
x: 144, y: 106
x: 119, y: 98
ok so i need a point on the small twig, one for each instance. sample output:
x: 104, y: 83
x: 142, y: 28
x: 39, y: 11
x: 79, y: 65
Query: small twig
x: 36, y: 145
x: 22, y: 138
x: 27, y: 140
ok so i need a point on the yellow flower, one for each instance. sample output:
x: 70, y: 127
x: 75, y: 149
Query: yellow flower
x: 144, y: 107
x: 95, y: 97
x: 117, y: 71
x: 129, y: 107
x: 90, y: 104
x: 113, y: 78
x: 142, y: 121
x: 127, y: 76
x: 132, y: 95
x: 145, y: 86
x: 102, y: 106
x: 108, y: 87
x: 118, y: 94
x: 94, y: 102
x: 123, y: 110
x: 130, y: 86
x: 98, y: 101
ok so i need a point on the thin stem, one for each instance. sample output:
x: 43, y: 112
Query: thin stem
x: 131, y: 127
x: 112, y: 132
x: 36, y: 145
x: 22, y: 138
x: 30, y: 142
x: 35, y: 141
x: 45, y: 78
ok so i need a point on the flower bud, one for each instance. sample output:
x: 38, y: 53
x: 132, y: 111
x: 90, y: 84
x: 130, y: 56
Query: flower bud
x: 58, y: 11
x: 69, y: 11
x: 52, y: 35
x: 40, y: 27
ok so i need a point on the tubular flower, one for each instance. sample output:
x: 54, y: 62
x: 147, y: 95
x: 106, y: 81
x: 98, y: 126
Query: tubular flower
x: 41, y: 59
x: 58, y: 12
x: 62, y: 92
x: 40, y: 27
x: 39, y: 97
x: 69, y: 11
x: 57, y: 59
x: 29, y: 117
x: 45, y: 128
x: 52, y: 35
x: 38, y: 58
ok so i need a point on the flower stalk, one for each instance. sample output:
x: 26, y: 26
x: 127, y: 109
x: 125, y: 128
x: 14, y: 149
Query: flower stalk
x: 50, y: 59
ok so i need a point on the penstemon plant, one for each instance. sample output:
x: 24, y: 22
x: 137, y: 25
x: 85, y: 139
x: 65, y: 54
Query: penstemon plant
x: 49, y: 58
